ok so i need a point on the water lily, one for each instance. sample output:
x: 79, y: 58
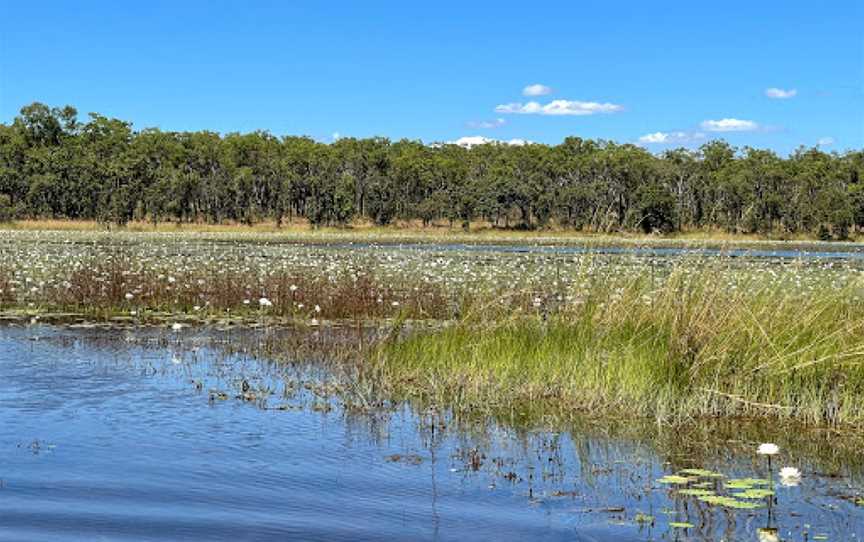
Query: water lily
x: 129, y: 296
x: 768, y: 535
x: 264, y: 302
x: 768, y: 449
x: 790, y: 476
x: 176, y: 326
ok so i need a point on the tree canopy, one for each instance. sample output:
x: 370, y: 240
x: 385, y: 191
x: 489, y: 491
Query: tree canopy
x: 54, y: 165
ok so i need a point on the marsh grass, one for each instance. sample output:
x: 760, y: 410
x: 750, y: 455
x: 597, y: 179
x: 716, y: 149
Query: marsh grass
x: 415, y: 231
x: 102, y: 288
x: 510, y: 333
x: 688, y: 344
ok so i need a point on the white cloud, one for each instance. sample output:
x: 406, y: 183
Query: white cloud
x: 656, y: 137
x: 670, y: 137
x: 559, y: 107
x: 729, y: 125
x: 487, y: 124
x: 473, y: 141
x: 536, y: 90
x: 825, y: 141
x: 336, y: 136
x: 780, y: 94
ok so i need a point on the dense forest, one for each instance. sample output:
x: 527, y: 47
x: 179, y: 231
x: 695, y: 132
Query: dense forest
x: 54, y: 165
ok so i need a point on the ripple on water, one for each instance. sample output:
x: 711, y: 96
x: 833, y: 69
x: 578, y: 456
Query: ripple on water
x: 105, y: 435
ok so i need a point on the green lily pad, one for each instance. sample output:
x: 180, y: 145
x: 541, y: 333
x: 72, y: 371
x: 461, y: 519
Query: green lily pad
x: 680, y: 525
x: 696, y: 492
x: 701, y: 473
x: 746, y: 483
x: 643, y: 518
x: 754, y: 494
x: 674, y: 479
x: 729, y: 502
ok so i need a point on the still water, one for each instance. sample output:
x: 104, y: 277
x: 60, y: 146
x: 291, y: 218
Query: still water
x: 145, y: 435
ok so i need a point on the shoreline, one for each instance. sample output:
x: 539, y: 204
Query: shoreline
x: 478, y: 234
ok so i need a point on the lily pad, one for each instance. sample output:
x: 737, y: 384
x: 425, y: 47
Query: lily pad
x: 729, y: 502
x: 754, y: 493
x: 701, y: 473
x: 746, y: 483
x: 674, y: 479
x: 696, y: 492
x: 680, y: 525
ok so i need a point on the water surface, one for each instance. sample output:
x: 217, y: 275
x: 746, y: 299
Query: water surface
x: 145, y: 435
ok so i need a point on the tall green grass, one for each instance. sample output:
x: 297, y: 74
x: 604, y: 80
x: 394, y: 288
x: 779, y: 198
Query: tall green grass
x: 696, y: 342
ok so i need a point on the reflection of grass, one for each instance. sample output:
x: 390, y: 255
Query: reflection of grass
x: 686, y: 345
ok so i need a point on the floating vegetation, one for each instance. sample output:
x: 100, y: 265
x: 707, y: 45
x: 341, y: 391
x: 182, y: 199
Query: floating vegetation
x: 702, y: 473
x: 674, y: 479
x: 729, y: 502
x: 751, y: 489
x: 696, y: 492
x: 746, y: 483
x: 754, y: 494
x: 680, y: 525
x: 643, y: 518
x: 486, y: 330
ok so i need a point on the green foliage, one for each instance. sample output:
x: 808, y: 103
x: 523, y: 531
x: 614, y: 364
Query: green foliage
x: 7, y: 212
x: 53, y: 165
x: 689, y: 344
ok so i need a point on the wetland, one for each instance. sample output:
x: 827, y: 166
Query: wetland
x: 220, y: 386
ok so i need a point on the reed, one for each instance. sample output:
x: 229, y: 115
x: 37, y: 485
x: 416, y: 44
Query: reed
x: 688, y: 344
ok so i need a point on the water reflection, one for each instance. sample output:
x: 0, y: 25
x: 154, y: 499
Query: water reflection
x: 133, y: 434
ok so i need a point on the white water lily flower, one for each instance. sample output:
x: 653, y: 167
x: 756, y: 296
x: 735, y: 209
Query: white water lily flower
x: 176, y: 326
x: 768, y: 449
x: 129, y: 296
x: 790, y: 476
x: 768, y: 535
x: 264, y: 302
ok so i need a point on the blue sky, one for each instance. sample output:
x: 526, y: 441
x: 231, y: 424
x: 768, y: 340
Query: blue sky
x: 665, y: 72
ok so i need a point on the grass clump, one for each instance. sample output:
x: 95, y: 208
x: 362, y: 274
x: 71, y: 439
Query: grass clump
x: 695, y: 342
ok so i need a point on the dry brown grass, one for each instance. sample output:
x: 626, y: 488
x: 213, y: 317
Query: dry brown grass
x: 478, y: 231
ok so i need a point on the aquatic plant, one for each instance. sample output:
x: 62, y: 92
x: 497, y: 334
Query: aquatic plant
x: 768, y: 450
x: 790, y: 476
x: 505, y: 331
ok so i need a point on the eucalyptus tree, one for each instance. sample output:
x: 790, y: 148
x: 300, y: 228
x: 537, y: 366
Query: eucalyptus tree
x: 54, y: 165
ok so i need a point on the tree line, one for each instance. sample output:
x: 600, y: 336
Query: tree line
x: 54, y: 165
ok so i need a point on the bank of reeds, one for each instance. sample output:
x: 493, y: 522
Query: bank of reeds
x: 692, y: 343
x: 119, y: 287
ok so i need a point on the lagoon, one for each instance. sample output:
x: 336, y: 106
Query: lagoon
x: 145, y: 434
